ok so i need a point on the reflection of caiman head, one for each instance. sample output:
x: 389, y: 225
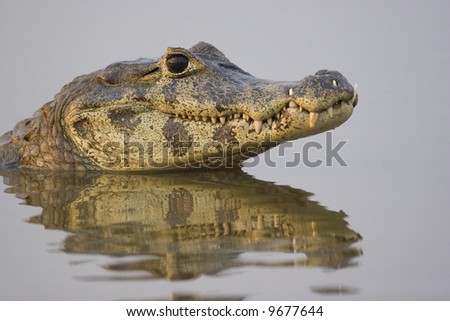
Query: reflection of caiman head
x: 189, y: 224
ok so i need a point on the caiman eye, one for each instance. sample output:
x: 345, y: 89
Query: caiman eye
x: 177, y: 63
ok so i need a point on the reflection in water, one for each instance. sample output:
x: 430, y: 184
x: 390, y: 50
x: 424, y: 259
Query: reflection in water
x: 334, y: 290
x: 183, y: 225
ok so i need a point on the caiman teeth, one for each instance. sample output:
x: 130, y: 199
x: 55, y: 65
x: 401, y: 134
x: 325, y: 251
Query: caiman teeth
x: 293, y: 104
x: 355, y: 93
x: 275, y: 121
x: 258, y: 126
x: 291, y: 92
x: 313, y: 117
x: 330, y: 112
x: 274, y: 125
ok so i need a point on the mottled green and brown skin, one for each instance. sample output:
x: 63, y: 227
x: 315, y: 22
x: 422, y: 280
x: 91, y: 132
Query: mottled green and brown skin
x: 190, y: 108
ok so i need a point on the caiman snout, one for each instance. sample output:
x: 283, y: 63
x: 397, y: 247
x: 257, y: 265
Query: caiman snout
x: 325, y: 91
x: 322, y: 90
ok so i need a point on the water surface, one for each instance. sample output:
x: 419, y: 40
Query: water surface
x: 182, y: 226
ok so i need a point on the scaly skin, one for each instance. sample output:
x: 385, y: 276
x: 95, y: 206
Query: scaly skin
x: 190, y: 108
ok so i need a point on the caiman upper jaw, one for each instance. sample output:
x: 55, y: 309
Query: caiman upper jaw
x: 299, y: 97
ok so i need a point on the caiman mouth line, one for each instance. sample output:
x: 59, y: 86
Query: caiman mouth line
x: 274, y: 121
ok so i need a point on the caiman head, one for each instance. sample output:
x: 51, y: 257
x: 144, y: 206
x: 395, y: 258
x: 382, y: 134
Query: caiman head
x: 193, y: 108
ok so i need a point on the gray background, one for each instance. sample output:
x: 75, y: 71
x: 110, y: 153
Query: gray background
x: 395, y: 189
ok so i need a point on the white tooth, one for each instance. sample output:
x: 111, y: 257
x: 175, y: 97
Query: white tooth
x: 223, y: 119
x: 291, y: 92
x: 230, y: 117
x: 237, y: 116
x: 258, y: 126
x: 355, y: 93
x: 300, y: 108
x: 190, y: 117
x: 214, y: 120
x: 274, y: 125
x: 330, y: 112
x: 246, y: 117
x: 334, y: 83
x: 278, y: 115
x: 313, y: 117
x: 269, y: 121
x: 197, y: 117
x: 293, y: 104
x: 205, y: 118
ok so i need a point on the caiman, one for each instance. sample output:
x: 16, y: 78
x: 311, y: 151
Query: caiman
x: 190, y: 108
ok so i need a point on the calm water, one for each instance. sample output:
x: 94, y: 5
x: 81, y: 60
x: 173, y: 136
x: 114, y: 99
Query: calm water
x: 375, y: 229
